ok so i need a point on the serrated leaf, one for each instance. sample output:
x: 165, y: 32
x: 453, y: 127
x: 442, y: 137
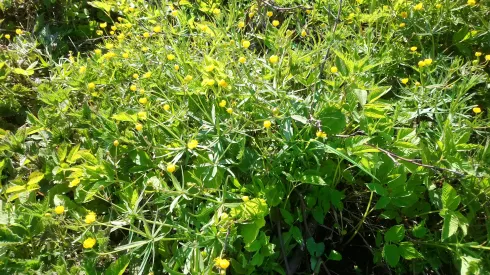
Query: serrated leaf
x: 450, y: 199
x: 395, y: 234
x: 450, y: 225
x: 35, y: 177
x: 408, y: 251
x: 391, y: 254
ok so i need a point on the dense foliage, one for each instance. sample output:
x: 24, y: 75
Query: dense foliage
x: 247, y: 137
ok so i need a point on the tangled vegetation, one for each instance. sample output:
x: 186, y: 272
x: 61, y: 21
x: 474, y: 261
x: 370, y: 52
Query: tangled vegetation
x: 245, y: 137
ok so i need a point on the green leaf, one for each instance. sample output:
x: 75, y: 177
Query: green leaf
x: 377, y: 188
x: 391, y: 254
x: 382, y: 202
x: 332, y: 119
x: 315, y: 249
x: 296, y: 234
x: 100, y: 5
x: 395, y: 234
x: 335, y: 256
x: 450, y: 225
x: 312, y: 179
x: 119, y: 266
x: 408, y: 251
x: 20, y: 71
x: 62, y: 150
x: 419, y: 230
x: 35, y: 177
x: 288, y: 217
x: 450, y: 199
x: 250, y: 231
x: 125, y: 117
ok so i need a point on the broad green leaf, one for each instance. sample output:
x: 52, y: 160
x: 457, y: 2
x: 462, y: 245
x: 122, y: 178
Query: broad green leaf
x: 450, y: 199
x: 332, y: 119
x: 288, y: 217
x: 312, y: 179
x: 395, y: 234
x: 419, y: 230
x: 35, y: 177
x: 391, y: 254
x: 408, y: 251
x: 450, y: 225
x: 296, y: 234
x: 250, y: 231
x: 16, y: 188
x: 335, y: 256
x: 315, y: 249
x: 119, y: 266
x: 125, y: 117
x: 101, y: 5
x: 382, y: 202
x: 377, y: 188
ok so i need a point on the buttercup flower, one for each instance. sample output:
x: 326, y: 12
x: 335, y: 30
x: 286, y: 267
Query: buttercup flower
x: 478, y: 54
x: 270, y: 13
x: 216, y: 11
x: 146, y: 34
x: 241, y: 24
x: 404, y: 14
x: 60, y: 209
x: 209, y: 68
x: 116, y: 143
x: 82, y: 69
x: 19, y: 31
x: 157, y: 29
x: 192, y: 144
x: 139, y: 127
x: 421, y: 63
x: 222, y: 103
x: 404, y: 80
x: 418, y: 7
x: 477, y: 110
x: 170, y: 57
x: 89, y: 243
x: 143, y: 100
x: 7, y: 36
x: 133, y: 88
x: 229, y: 110
x: 413, y: 49
x: 334, y: 70
x: 245, y: 198
x: 103, y: 25
x: 471, y: 3
x: 91, y: 217
x: 267, y: 124
x: 188, y: 78
x: 275, y: 23
x: 242, y: 60
x: 166, y: 107
x: 273, y: 59
x: 245, y: 44
x: 221, y: 263
x: 402, y: 25
x: 91, y: 86
x: 321, y: 134
x: 171, y: 168
x: 428, y: 61
x: 222, y: 83
x: 176, y: 67
x: 75, y: 182
x: 487, y: 57
x: 303, y: 33
x: 136, y: 76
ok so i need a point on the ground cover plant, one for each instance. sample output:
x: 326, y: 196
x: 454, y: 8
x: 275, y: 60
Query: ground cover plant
x: 248, y: 137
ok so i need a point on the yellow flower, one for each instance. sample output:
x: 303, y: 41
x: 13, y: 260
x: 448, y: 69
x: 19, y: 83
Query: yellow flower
x: 229, y: 110
x: 125, y: 55
x: 270, y: 13
x: 112, y: 32
x: 267, y: 124
x: 136, y: 76
x: 7, y: 36
x: 91, y: 86
x: 103, y: 25
x: 275, y: 23
x: 131, y: 9
x: 321, y: 134
x: 222, y: 83
x: 97, y: 51
x: 60, y: 209
x: 216, y: 11
x: 114, y: 28
x: 477, y: 110
x: 192, y: 144
x: 428, y: 61
x: 109, y: 46
x: 404, y: 80
x: 478, y: 54
x: 146, y: 34
x: 207, y: 82
x: 99, y: 32
x: 89, y: 243
x: 188, y: 78
x: 174, y: 13
x: 157, y: 29
x: 274, y: 59
x: 242, y: 60
x: 166, y: 107
x: 170, y: 57
x: 487, y: 57
x: 171, y: 168
x: 334, y: 70
x: 404, y: 14
x: 142, y: 91
x: 145, y: 49
x: 251, y: 14
x: 413, y: 49
x: 421, y: 63
x: 121, y: 37
x: 303, y: 33
x: 418, y: 7
x: 176, y: 67
x: 74, y: 182
x: 19, y: 31
x: 438, y: 6
x: 471, y: 3
x: 90, y: 218
x: 133, y: 88
x: 222, y: 103
x: 241, y: 24
x: 82, y: 69
x: 139, y: 127
x: 143, y: 100
x: 245, y: 198
x: 402, y: 25
x: 417, y: 83
x: 209, y: 68
x: 245, y: 44
x: 221, y: 263
x: 308, y: 11
x: 147, y: 75
x: 116, y: 143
